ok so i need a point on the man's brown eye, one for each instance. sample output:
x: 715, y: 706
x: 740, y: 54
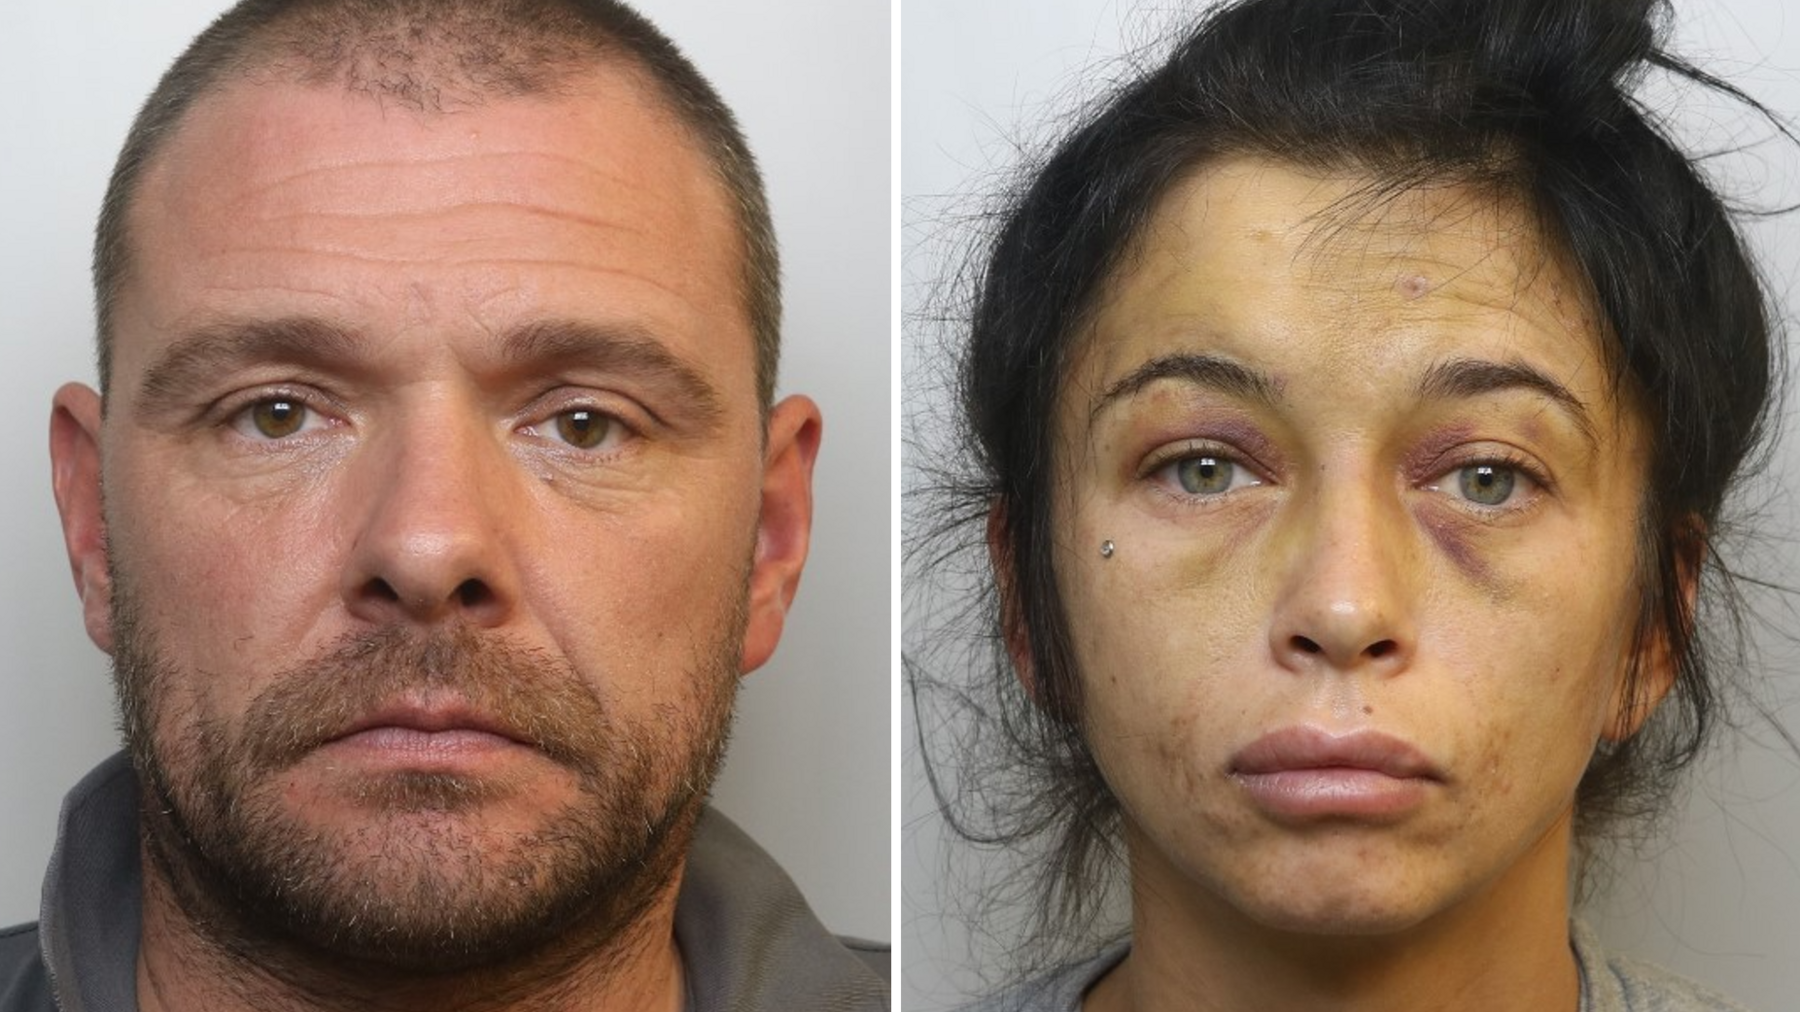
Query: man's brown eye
x: 583, y: 428
x: 278, y: 419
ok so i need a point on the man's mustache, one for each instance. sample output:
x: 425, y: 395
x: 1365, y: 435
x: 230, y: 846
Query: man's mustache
x: 521, y: 693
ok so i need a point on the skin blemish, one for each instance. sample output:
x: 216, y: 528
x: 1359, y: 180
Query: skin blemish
x: 1413, y: 286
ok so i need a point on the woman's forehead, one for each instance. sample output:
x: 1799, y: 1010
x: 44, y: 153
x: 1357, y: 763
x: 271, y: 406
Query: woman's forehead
x: 1311, y: 276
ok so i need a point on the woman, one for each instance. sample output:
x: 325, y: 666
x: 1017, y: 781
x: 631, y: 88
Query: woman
x: 1354, y: 396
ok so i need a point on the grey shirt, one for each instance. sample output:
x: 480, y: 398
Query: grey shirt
x: 748, y: 940
x: 1608, y: 984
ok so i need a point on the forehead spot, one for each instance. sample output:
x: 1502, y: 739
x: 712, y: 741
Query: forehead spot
x: 1413, y: 286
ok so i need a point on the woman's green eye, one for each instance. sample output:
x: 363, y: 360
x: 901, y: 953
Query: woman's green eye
x: 1205, y: 475
x: 583, y: 428
x: 1487, y: 484
x: 278, y: 418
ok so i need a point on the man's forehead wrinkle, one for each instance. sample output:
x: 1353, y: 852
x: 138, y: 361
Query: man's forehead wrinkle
x: 469, y: 206
x: 260, y: 120
x: 639, y: 276
x: 454, y: 166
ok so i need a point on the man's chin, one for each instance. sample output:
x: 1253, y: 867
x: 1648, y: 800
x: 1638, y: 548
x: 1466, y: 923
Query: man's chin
x: 418, y: 872
x: 378, y: 805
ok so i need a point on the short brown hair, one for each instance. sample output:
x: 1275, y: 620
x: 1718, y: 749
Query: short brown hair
x: 418, y: 52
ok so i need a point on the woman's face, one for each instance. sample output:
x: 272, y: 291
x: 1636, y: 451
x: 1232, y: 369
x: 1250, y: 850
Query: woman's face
x: 1371, y: 505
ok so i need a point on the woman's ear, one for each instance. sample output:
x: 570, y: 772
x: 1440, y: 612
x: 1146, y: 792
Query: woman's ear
x: 1012, y: 613
x: 1657, y: 654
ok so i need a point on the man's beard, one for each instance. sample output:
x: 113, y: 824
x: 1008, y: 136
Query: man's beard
x: 419, y: 888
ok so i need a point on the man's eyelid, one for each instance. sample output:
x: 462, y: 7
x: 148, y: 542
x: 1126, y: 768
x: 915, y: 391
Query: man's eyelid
x: 577, y: 396
x: 302, y: 390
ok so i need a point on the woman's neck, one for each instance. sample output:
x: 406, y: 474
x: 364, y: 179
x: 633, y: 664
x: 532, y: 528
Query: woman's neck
x: 1504, y: 946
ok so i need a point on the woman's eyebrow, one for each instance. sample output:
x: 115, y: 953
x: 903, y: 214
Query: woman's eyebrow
x: 1210, y: 371
x: 1471, y: 377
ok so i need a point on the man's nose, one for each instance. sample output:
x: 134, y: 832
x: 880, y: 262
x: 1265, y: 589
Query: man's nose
x: 433, y: 526
x: 1345, y: 598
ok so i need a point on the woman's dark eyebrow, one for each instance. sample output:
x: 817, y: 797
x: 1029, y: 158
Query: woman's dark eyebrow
x: 1211, y: 371
x: 1470, y: 377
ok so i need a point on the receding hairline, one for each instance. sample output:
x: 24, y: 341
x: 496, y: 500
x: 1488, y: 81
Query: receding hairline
x: 433, y: 57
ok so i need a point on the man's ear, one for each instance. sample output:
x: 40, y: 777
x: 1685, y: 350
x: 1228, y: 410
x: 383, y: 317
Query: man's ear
x: 75, y: 478
x: 784, y: 528
x: 1656, y: 656
x: 1012, y: 613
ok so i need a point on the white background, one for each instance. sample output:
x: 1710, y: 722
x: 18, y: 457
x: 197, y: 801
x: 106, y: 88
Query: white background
x: 1717, y: 896
x: 808, y: 774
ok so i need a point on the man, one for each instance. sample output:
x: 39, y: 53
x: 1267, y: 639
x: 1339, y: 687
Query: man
x: 445, y: 498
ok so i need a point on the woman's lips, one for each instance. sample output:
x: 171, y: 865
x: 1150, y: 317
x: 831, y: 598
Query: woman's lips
x: 1305, y: 774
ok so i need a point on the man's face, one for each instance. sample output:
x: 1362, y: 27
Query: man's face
x: 438, y: 518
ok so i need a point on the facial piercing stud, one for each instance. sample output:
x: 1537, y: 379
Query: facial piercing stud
x: 1106, y: 549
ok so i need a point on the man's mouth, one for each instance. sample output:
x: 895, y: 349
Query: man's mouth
x: 431, y: 717
x: 435, y: 734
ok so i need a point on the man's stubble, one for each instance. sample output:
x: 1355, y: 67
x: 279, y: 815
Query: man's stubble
x: 419, y: 889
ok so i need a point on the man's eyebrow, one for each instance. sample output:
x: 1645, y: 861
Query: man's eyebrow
x: 1210, y: 371
x: 619, y: 349
x: 188, y: 363
x: 1468, y: 377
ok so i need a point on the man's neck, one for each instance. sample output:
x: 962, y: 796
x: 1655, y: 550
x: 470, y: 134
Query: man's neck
x: 183, y: 967
x: 1504, y: 948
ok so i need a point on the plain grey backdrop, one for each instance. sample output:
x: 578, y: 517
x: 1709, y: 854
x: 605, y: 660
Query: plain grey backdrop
x: 1716, y: 896
x: 808, y: 774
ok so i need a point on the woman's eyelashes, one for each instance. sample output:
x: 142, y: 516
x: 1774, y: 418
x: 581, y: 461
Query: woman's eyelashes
x: 1201, y: 471
x: 1485, y: 480
x: 1490, y: 484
